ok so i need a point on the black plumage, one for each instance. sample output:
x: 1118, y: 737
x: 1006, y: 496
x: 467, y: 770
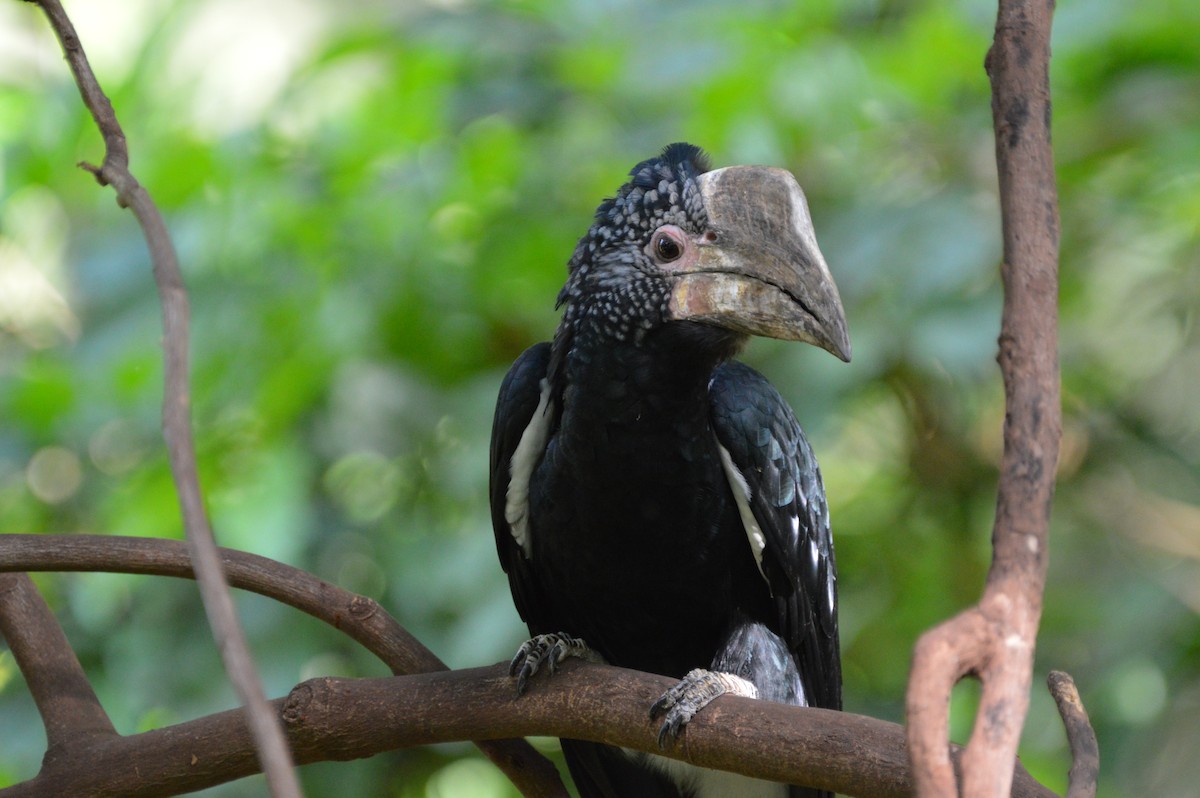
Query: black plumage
x: 649, y: 494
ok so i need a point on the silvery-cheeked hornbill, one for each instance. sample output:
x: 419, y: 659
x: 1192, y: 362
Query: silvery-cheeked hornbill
x: 655, y: 502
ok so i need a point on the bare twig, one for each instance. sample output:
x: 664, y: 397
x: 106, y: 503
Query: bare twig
x: 177, y: 428
x: 358, y: 616
x: 1085, y: 751
x: 995, y: 639
x: 351, y: 718
x: 68, y: 705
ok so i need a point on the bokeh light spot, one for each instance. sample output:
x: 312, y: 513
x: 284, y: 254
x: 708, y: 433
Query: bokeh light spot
x: 1141, y: 692
x: 116, y: 447
x: 472, y: 777
x: 364, y: 483
x: 54, y: 474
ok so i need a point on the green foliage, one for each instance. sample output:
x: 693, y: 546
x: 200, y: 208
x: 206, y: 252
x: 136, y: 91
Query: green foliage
x: 374, y: 208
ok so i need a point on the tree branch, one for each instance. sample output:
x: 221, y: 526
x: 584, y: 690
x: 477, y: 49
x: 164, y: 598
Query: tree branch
x: 362, y: 618
x: 1085, y: 751
x: 177, y: 427
x: 343, y: 719
x: 65, y: 699
x: 995, y: 639
x: 358, y: 616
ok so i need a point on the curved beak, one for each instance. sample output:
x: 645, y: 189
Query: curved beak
x: 763, y: 274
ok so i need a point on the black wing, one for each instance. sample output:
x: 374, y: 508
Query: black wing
x: 787, y: 499
x: 515, y: 407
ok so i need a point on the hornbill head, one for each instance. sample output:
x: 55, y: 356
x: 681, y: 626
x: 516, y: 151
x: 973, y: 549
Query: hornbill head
x: 733, y: 248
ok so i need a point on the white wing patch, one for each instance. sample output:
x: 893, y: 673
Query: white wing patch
x: 741, y: 495
x: 520, y: 469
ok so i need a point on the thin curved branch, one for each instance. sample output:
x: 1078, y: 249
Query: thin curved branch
x: 65, y: 699
x: 351, y: 718
x: 361, y: 618
x: 995, y: 639
x: 358, y: 616
x: 177, y: 425
x: 1085, y: 751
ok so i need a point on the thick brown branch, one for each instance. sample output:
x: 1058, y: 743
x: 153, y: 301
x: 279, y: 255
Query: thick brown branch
x: 68, y: 705
x: 348, y: 719
x: 1085, y: 751
x: 177, y: 427
x: 358, y: 616
x: 995, y: 639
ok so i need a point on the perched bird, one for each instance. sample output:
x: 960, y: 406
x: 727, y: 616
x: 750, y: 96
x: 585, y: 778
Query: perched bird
x: 655, y: 502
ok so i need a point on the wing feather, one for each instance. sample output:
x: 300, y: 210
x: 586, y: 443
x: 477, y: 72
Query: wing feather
x: 516, y: 405
x: 785, y: 494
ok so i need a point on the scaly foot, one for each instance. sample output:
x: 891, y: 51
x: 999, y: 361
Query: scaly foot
x: 694, y: 692
x: 550, y: 649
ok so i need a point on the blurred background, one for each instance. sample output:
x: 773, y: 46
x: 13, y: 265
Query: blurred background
x: 374, y: 204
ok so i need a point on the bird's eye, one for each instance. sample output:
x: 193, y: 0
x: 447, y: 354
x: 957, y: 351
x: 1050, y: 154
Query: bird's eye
x: 668, y: 244
x: 666, y: 247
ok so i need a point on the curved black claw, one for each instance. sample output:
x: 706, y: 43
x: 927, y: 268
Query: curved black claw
x: 550, y: 649
x: 679, y: 704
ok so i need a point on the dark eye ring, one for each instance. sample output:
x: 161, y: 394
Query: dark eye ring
x: 667, y: 248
